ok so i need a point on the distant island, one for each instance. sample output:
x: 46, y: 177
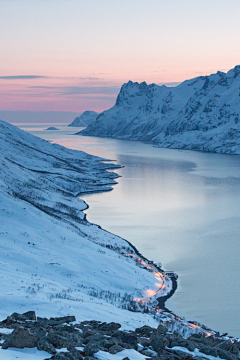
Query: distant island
x: 84, y: 119
x: 52, y: 128
x: 199, y: 114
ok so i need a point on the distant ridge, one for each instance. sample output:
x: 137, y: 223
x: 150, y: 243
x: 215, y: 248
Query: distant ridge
x: 84, y: 119
x: 199, y: 114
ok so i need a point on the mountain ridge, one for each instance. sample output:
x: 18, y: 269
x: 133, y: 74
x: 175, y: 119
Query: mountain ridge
x: 85, y: 119
x: 202, y: 113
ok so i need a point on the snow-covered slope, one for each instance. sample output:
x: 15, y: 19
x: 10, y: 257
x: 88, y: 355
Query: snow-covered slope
x: 84, y: 119
x: 199, y: 114
x: 52, y: 260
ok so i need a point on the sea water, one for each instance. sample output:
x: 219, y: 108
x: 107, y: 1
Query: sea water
x: 180, y: 208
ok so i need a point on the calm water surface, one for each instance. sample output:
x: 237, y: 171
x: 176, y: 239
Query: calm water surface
x: 181, y: 208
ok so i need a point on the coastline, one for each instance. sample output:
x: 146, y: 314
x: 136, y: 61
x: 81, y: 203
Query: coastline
x: 71, y: 213
x: 162, y: 299
x: 51, y: 250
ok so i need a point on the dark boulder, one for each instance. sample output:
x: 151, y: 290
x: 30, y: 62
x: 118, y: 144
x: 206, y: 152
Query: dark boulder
x: 45, y: 345
x: 115, y: 349
x: 158, y: 338
x: 63, y: 319
x: 144, y: 331
x: 217, y: 352
x: 126, y: 337
x: 59, y: 356
x: 30, y: 315
x: 55, y: 321
x: 96, y: 337
x: 144, y: 341
x: 20, y: 338
x: 14, y: 318
x: 158, y: 341
x: 109, y: 327
x: 109, y: 342
x: 57, y: 341
x: 197, y: 338
x: 92, y: 348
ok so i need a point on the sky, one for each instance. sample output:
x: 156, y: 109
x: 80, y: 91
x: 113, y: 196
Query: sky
x: 74, y: 55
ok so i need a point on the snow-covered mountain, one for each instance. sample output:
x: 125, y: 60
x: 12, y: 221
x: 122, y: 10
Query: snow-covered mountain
x: 84, y: 119
x: 199, y: 114
x: 52, y: 260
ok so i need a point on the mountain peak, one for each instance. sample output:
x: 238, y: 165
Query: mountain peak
x: 203, y: 111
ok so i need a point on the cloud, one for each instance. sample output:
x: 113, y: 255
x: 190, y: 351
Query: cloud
x: 30, y: 77
x: 81, y: 90
x: 22, y: 77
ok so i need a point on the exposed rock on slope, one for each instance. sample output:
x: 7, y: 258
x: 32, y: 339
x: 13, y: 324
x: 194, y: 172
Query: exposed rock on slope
x: 84, y: 119
x: 199, y: 114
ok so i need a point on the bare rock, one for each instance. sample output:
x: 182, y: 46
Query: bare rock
x: 45, y: 345
x: 59, y: 356
x: 64, y: 319
x: 127, y: 338
x: 76, y: 354
x: 158, y: 341
x: 109, y: 327
x: 57, y: 341
x: 20, y: 338
x: 144, y: 331
x: 144, y: 341
x: 115, y: 349
x: 92, y: 347
x: 94, y: 338
x: 30, y: 315
x: 109, y: 342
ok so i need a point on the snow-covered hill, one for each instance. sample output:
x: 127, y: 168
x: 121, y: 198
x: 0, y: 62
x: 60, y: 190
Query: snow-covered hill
x: 84, y: 119
x: 199, y: 114
x: 52, y: 260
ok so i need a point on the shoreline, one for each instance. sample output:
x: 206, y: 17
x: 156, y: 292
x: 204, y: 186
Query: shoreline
x: 162, y: 299
x: 101, y: 189
x: 193, y: 325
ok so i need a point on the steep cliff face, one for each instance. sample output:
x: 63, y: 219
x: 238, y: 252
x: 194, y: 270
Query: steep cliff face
x: 200, y: 114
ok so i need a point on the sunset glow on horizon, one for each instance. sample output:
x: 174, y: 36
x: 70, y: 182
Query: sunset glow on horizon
x: 74, y: 55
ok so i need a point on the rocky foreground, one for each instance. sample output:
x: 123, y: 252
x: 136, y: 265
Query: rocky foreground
x: 64, y: 338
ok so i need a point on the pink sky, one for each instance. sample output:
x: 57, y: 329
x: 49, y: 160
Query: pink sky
x: 74, y: 55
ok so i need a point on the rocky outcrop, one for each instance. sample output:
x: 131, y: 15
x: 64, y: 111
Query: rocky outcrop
x: 199, y: 114
x: 84, y: 339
